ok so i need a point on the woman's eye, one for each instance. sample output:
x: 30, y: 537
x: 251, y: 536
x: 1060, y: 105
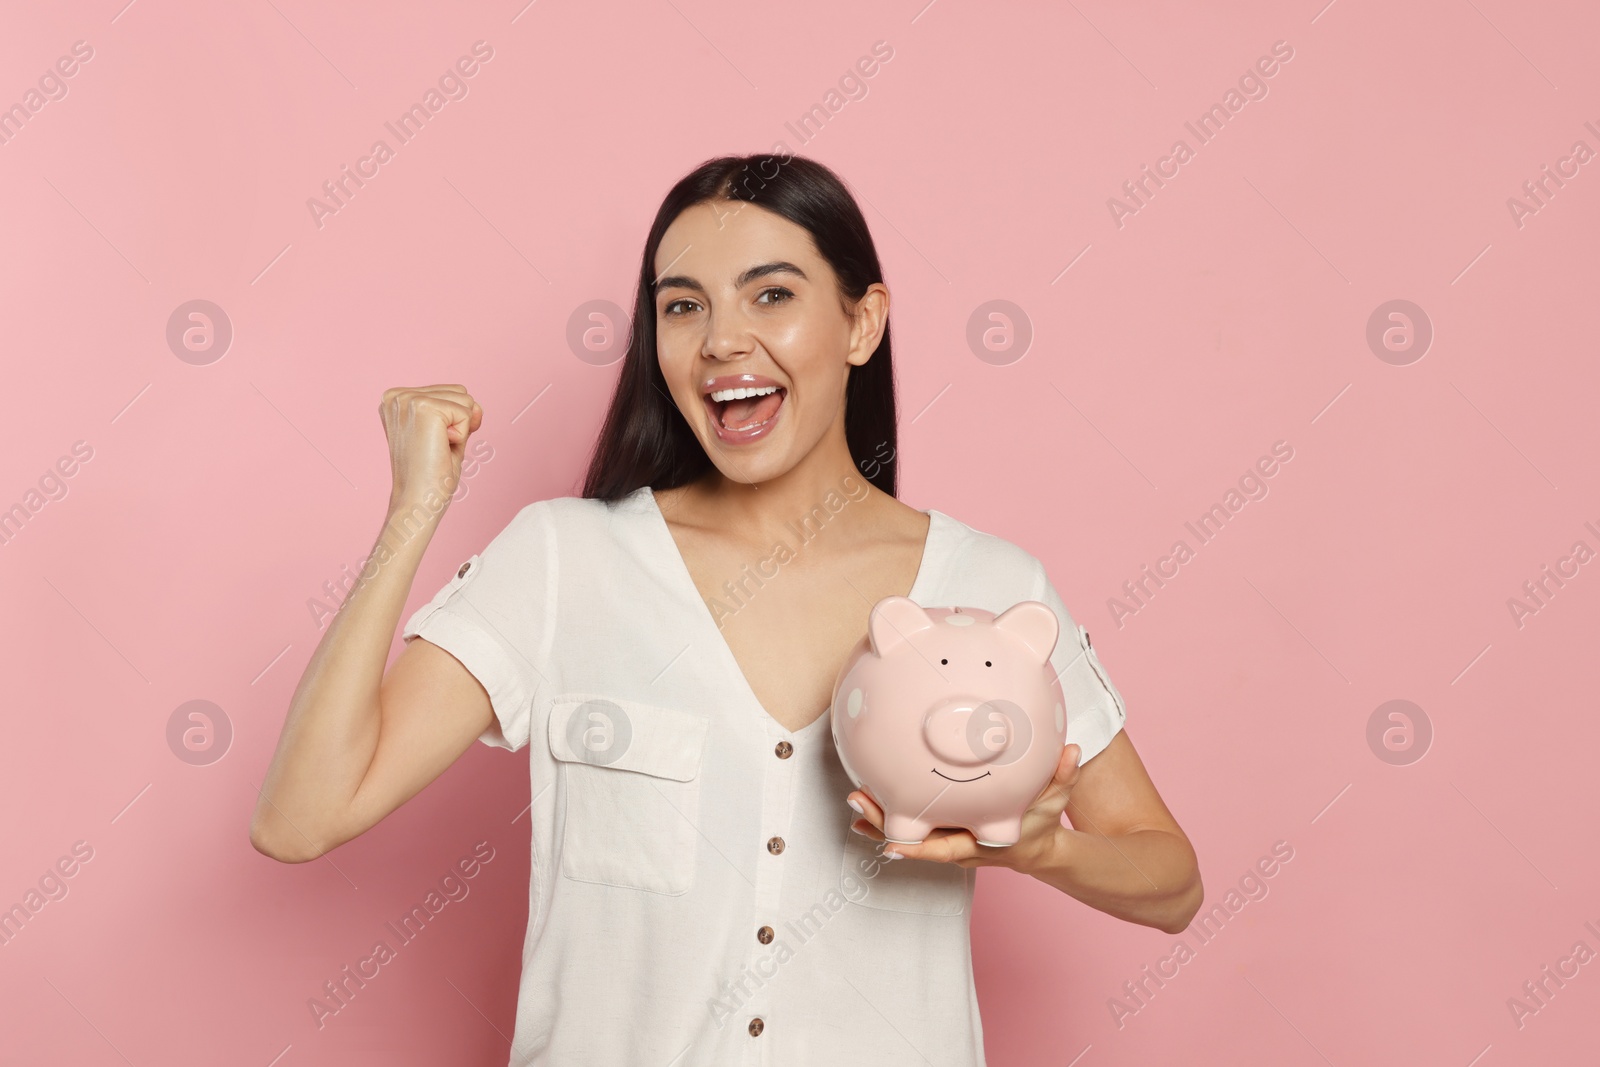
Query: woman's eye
x: 776, y: 292
x: 668, y: 310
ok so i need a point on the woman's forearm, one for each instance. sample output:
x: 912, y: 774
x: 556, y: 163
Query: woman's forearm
x: 1149, y: 877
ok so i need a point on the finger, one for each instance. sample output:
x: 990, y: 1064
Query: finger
x: 458, y: 394
x: 866, y: 829
x: 1070, y: 765
x: 919, y: 849
x: 867, y: 807
x: 446, y: 391
x: 453, y: 394
x: 1066, y: 775
x: 946, y: 846
x: 458, y: 417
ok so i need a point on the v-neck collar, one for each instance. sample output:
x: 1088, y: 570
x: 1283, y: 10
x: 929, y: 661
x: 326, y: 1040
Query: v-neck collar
x: 921, y: 585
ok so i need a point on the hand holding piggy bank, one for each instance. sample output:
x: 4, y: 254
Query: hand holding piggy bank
x: 951, y: 716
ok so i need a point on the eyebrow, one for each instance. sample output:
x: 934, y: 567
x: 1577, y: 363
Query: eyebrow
x: 683, y: 281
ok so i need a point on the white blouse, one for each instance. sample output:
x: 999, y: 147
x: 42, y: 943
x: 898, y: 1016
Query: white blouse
x: 697, y: 895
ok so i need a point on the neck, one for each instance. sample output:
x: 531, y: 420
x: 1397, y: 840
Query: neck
x: 821, y: 490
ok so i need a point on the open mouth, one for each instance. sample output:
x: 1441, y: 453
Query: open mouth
x: 743, y: 414
x: 947, y: 778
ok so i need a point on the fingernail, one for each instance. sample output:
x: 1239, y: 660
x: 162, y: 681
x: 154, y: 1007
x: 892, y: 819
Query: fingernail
x: 856, y: 804
x: 892, y: 854
x: 853, y: 830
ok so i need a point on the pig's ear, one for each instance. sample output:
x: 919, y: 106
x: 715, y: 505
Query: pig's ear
x: 1034, y: 624
x: 893, y: 619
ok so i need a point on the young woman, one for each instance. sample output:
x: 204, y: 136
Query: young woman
x: 665, y: 647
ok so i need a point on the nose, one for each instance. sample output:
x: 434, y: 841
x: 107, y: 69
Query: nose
x: 727, y: 334
x: 972, y: 732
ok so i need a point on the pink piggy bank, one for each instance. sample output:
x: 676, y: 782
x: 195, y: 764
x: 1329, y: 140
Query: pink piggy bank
x: 951, y: 716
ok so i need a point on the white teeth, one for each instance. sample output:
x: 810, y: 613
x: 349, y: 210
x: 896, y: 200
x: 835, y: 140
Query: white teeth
x: 739, y: 394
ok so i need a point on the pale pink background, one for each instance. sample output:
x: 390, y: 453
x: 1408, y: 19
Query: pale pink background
x: 1228, y: 314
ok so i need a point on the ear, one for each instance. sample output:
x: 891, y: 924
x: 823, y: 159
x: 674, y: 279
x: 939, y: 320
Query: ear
x: 1034, y: 624
x: 893, y: 620
x: 871, y: 314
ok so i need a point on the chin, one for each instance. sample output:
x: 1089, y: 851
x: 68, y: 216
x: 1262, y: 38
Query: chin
x: 751, y: 471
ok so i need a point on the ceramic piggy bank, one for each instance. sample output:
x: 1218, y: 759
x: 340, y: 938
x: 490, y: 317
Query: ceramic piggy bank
x: 951, y: 716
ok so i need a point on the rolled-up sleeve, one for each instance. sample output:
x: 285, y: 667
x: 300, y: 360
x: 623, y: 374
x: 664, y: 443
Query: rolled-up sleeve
x: 495, y: 615
x: 1095, y: 711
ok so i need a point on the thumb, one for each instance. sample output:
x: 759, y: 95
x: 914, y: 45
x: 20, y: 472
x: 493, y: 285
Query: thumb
x: 1060, y: 783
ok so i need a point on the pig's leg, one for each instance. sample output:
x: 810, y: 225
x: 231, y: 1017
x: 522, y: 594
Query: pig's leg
x: 905, y: 829
x: 999, y: 834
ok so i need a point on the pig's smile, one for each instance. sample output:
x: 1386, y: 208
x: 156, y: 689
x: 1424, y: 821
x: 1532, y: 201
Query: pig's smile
x: 941, y: 774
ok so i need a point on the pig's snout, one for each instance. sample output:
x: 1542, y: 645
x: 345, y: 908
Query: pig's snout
x: 969, y: 732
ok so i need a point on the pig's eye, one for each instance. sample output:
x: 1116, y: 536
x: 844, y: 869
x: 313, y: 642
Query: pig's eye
x: 944, y: 661
x: 986, y: 663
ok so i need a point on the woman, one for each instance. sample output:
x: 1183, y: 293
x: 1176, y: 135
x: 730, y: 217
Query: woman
x: 665, y: 646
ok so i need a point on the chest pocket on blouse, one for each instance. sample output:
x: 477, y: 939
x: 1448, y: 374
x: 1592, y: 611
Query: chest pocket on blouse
x: 872, y: 880
x: 630, y: 775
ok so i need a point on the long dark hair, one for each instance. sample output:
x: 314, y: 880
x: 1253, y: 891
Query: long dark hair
x: 645, y: 439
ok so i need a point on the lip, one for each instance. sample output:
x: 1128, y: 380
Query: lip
x: 741, y: 381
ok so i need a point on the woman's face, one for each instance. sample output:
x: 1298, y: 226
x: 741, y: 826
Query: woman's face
x: 744, y: 301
